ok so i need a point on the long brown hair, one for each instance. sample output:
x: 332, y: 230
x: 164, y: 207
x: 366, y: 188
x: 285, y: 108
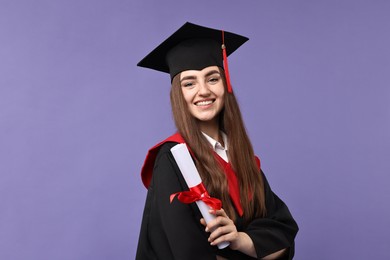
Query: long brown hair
x: 241, y: 155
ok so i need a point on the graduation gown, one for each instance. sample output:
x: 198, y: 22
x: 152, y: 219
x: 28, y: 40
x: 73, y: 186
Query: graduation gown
x: 173, y: 230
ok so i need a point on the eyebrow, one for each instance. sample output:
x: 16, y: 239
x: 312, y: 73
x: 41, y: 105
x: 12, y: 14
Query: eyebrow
x: 211, y: 72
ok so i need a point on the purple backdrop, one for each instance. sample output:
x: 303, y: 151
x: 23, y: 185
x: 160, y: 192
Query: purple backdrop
x: 77, y: 117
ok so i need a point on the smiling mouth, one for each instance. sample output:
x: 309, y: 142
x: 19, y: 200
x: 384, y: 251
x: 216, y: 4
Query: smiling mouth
x: 204, y: 102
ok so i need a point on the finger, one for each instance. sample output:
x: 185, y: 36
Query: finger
x: 224, y: 238
x: 203, y: 222
x: 220, y: 212
x: 222, y: 231
x: 218, y: 221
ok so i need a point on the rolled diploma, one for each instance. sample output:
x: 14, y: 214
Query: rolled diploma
x: 191, y: 176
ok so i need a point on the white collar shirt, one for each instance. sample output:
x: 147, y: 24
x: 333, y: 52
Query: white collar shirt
x: 217, y: 146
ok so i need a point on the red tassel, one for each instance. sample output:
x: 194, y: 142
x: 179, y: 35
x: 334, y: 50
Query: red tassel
x: 225, y: 64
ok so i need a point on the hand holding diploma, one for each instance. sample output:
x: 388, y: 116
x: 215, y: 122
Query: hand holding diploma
x: 198, y: 192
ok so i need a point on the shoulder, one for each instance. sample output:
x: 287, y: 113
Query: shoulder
x: 166, y: 148
x: 166, y: 176
x: 164, y: 152
x: 155, y: 153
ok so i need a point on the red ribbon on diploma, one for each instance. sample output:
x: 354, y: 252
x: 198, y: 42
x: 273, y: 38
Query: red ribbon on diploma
x: 196, y: 193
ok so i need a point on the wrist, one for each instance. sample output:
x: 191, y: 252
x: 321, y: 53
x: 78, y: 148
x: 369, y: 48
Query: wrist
x: 244, y: 244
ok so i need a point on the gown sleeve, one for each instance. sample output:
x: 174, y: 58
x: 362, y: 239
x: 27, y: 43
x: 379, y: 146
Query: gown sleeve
x: 171, y: 230
x: 275, y: 231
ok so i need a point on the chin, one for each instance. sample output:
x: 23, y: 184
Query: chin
x: 205, y: 118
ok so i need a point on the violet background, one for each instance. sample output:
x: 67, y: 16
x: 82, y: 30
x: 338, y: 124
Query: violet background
x: 77, y: 118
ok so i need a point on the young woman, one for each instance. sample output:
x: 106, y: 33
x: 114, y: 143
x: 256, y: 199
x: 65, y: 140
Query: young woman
x: 256, y: 223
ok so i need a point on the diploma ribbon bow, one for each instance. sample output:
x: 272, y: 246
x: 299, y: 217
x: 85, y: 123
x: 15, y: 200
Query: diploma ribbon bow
x: 196, y: 193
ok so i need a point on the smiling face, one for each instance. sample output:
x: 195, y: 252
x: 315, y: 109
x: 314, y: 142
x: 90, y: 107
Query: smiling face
x: 203, y: 91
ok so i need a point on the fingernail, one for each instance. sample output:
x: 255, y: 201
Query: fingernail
x: 207, y: 229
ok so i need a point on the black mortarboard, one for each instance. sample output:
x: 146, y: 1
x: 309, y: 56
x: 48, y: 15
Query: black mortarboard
x: 193, y: 47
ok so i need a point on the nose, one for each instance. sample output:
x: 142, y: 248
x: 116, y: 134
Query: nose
x: 204, y: 89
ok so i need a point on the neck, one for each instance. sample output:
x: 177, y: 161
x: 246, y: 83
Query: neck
x: 211, y: 129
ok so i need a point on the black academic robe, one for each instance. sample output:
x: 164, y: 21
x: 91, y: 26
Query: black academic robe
x: 173, y: 230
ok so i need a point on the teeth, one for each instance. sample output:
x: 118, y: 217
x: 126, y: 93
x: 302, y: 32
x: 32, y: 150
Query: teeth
x: 204, y: 103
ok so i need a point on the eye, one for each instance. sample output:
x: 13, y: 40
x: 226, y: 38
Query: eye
x: 187, y: 84
x: 214, y: 79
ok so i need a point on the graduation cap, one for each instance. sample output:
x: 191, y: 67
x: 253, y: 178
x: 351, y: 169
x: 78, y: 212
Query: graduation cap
x: 193, y: 47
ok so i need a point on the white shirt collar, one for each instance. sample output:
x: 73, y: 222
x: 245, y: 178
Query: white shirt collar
x: 217, y: 146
